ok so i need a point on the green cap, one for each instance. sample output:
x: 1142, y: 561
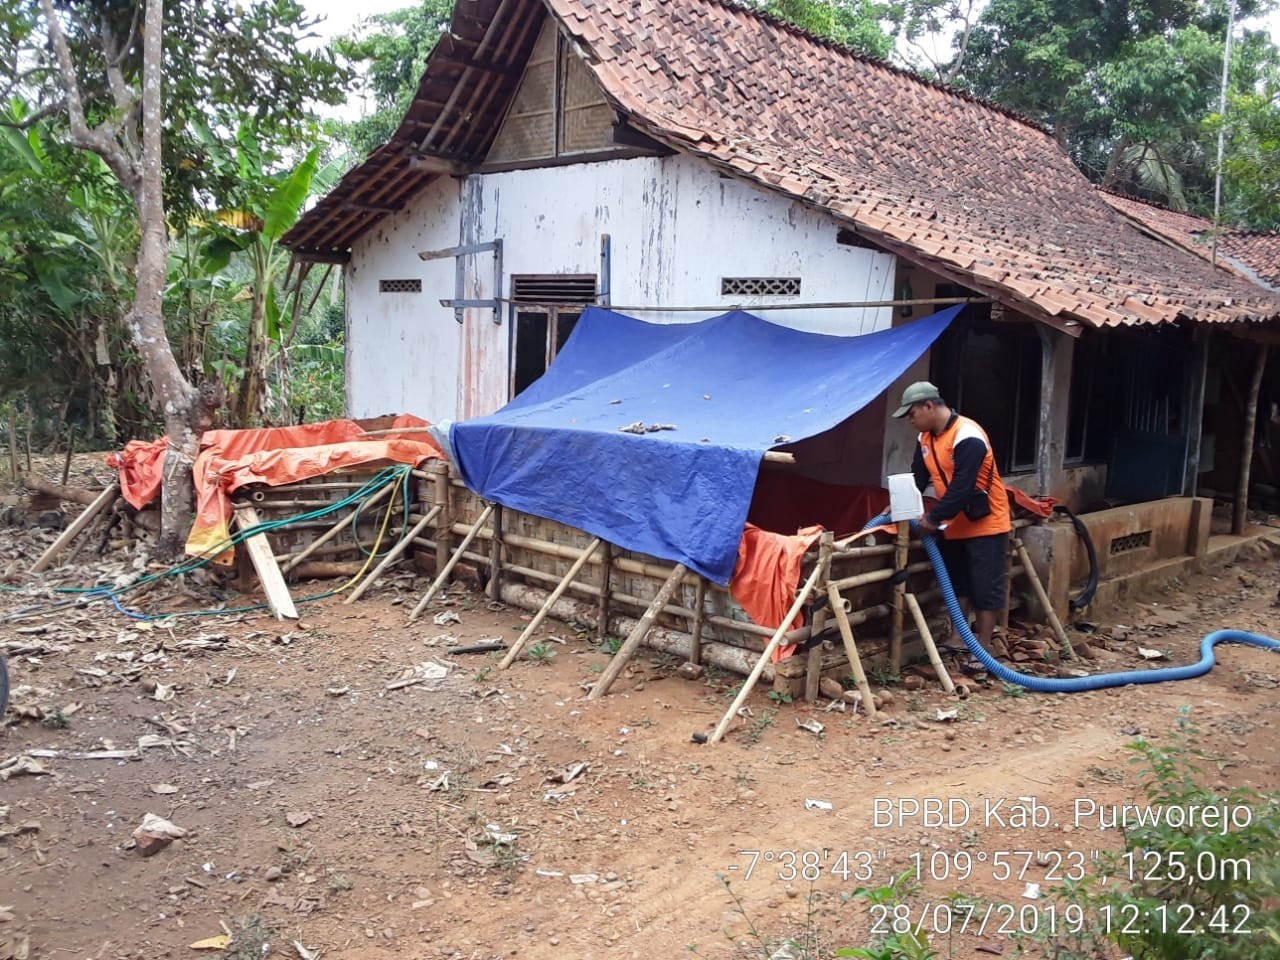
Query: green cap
x: 918, y: 392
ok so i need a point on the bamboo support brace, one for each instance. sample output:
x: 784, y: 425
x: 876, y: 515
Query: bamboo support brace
x: 333, y: 531
x: 931, y: 648
x: 541, y: 615
x: 453, y: 562
x: 851, y: 649
x: 1043, y: 597
x: 395, y: 553
x: 624, y: 653
x: 86, y: 517
x: 819, y: 571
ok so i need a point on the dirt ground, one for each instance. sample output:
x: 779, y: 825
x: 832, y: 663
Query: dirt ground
x: 493, y: 813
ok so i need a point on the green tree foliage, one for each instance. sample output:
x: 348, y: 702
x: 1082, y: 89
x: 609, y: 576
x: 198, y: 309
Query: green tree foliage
x: 854, y: 23
x: 1251, y: 169
x: 226, y: 66
x: 1124, y: 85
x: 393, y: 48
x: 66, y: 245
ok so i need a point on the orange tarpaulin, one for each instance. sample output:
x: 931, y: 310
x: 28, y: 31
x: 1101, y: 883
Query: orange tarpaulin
x: 141, y: 469
x: 765, y: 578
x: 231, y: 459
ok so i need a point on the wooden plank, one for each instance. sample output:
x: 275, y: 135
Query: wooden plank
x: 638, y: 634
x: 555, y: 595
x: 104, y: 499
x: 264, y: 562
x: 819, y: 571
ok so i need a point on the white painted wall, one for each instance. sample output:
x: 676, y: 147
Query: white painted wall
x: 677, y: 228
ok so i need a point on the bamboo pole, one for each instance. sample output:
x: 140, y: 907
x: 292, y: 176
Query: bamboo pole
x: 624, y: 653
x: 86, y: 517
x: 337, y: 528
x: 774, y: 641
x: 606, y: 576
x: 745, y: 627
x: 495, y: 556
x: 541, y: 615
x: 851, y: 649
x: 724, y: 655
x: 931, y: 648
x: 547, y: 548
x: 392, y: 556
x: 440, y: 496
x: 1043, y: 597
x: 697, y: 621
x: 452, y: 562
x: 879, y: 576
x: 899, y: 593
x: 813, y: 663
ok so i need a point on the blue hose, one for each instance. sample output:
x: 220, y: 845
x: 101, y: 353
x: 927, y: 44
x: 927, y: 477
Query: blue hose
x: 1071, y: 684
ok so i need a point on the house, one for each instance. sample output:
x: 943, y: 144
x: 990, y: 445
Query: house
x: 675, y: 158
x: 1231, y: 361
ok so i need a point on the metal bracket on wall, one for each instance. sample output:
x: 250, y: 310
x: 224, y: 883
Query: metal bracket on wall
x: 459, y: 303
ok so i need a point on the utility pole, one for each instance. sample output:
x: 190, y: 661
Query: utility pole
x: 1222, y: 130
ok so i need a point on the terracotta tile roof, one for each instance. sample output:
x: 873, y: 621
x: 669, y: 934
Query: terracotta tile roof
x: 1253, y: 254
x: 946, y: 180
x: 958, y: 185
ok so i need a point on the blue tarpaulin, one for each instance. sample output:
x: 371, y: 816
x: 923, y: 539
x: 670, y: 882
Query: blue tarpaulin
x: 732, y: 387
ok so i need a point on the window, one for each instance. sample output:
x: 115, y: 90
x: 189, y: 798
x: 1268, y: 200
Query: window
x: 1091, y: 418
x: 991, y: 372
x: 760, y: 287
x: 546, y: 309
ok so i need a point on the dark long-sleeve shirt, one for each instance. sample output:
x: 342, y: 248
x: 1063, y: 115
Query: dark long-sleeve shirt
x: 968, y: 456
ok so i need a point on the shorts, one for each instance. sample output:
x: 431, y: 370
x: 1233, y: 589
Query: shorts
x: 977, y: 568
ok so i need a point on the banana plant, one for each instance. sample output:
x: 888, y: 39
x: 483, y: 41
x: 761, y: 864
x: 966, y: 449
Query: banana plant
x: 251, y: 229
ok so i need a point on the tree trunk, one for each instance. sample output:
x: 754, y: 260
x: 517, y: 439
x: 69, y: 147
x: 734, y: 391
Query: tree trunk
x: 139, y: 170
x: 178, y: 399
x: 1113, y: 164
x: 1240, y: 512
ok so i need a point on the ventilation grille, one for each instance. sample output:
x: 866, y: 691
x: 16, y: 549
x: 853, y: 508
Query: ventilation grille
x: 1134, y: 541
x: 553, y: 289
x: 399, y: 286
x: 760, y: 287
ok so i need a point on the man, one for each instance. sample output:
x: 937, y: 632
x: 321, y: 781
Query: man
x: 972, y: 513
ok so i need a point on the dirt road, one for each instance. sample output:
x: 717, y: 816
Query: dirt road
x: 490, y: 813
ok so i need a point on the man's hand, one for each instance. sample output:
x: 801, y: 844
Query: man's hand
x: 927, y: 527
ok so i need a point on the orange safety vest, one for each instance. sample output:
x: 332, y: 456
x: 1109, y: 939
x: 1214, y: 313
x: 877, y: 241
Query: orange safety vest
x: 939, y: 460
